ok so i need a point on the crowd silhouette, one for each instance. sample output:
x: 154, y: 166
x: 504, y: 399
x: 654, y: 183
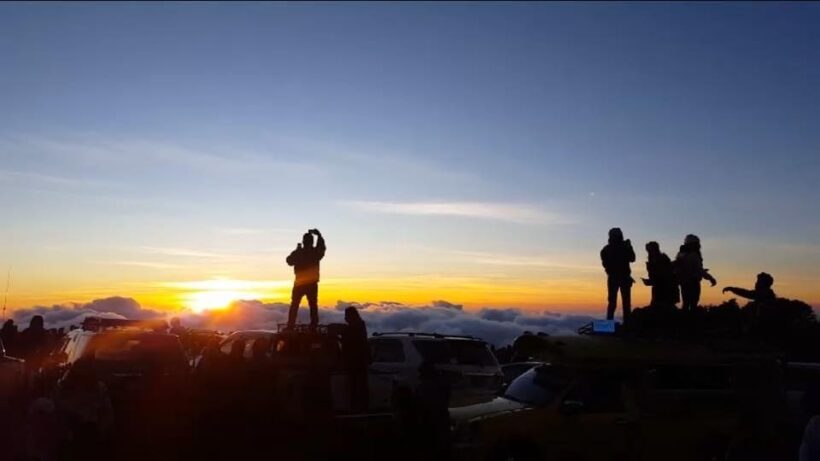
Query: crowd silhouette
x: 241, y: 398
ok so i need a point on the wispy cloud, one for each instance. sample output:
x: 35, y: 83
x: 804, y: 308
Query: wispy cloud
x: 23, y: 178
x: 509, y: 212
x: 145, y: 264
x: 113, y: 151
x: 184, y: 252
x: 254, y: 231
x: 535, y: 261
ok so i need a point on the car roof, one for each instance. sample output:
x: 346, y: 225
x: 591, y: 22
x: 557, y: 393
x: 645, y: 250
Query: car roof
x: 608, y: 349
x: 419, y: 335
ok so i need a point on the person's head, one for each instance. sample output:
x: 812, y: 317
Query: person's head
x: 764, y: 281
x: 36, y: 322
x: 616, y: 235
x: 307, y: 240
x: 692, y: 242
x: 8, y: 324
x: 352, y: 315
x: 175, y: 323
x: 653, y: 248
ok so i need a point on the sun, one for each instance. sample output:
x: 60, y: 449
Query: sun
x: 215, y: 294
x: 207, y: 300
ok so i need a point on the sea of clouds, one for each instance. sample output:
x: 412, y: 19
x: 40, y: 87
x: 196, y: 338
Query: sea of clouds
x: 498, y: 326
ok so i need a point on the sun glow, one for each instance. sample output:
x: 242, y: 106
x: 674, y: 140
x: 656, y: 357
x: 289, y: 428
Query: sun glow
x: 205, y: 295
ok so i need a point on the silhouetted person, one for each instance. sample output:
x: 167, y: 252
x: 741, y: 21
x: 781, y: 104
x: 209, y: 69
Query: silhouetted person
x: 356, y: 356
x: 689, y: 270
x: 661, y: 277
x: 433, y: 400
x: 34, y: 343
x: 177, y: 328
x: 305, y: 261
x: 8, y: 334
x: 616, y: 257
x: 762, y: 292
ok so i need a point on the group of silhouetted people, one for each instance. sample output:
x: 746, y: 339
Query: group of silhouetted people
x: 671, y: 282
x: 32, y: 344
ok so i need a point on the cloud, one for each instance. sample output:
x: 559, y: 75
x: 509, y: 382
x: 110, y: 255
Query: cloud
x: 495, y: 325
x: 65, y: 315
x: 125, y: 152
x: 509, y: 212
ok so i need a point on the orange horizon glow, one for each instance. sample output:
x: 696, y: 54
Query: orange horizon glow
x: 582, y: 295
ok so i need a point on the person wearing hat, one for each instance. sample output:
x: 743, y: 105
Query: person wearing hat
x: 762, y: 292
x: 616, y: 257
x: 690, y: 271
x: 305, y: 261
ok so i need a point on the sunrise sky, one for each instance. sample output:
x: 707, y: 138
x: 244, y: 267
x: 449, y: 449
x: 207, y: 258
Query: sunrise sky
x: 474, y: 153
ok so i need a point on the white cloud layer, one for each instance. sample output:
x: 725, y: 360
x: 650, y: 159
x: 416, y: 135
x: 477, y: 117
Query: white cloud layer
x: 496, y: 326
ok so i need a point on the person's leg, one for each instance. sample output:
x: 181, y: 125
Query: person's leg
x: 312, y: 292
x: 295, y: 299
x: 626, y: 297
x: 686, y: 295
x: 612, y: 297
x: 695, y: 295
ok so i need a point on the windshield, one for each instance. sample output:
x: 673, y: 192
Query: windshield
x: 455, y: 352
x: 142, y: 350
x: 538, y: 386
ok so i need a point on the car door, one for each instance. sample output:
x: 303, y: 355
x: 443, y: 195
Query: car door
x: 388, y: 359
x: 595, y: 419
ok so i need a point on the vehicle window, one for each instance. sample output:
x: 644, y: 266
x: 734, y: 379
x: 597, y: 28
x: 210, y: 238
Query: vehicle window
x: 142, y: 349
x: 227, y: 345
x: 598, y: 393
x: 387, y: 351
x: 472, y: 353
x: 538, y: 386
x: 434, y: 351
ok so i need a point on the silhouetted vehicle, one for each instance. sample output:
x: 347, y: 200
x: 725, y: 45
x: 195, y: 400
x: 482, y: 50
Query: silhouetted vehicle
x: 605, y: 398
x: 516, y: 369
x: 467, y: 362
x: 292, y: 354
x: 194, y: 342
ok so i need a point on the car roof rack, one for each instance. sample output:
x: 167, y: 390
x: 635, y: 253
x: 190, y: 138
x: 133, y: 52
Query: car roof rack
x: 301, y: 328
x: 100, y: 324
x: 422, y: 334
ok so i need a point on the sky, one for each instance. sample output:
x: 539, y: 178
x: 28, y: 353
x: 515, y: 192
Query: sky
x: 476, y: 153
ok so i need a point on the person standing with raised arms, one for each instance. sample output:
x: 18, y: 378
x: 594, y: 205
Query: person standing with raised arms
x: 305, y: 261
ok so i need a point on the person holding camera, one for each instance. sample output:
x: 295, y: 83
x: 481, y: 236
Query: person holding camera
x: 305, y: 261
x: 616, y: 257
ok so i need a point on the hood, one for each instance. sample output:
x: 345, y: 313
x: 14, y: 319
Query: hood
x: 479, y: 410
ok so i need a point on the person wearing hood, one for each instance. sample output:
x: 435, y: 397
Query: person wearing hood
x: 616, y: 257
x: 690, y: 271
x: 661, y: 277
x: 762, y: 292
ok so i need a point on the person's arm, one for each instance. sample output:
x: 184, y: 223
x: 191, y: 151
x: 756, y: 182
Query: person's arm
x: 748, y: 294
x: 630, y: 251
x: 320, y: 244
x: 708, y: 276
x: 604, y: 260
x: 291, y: 259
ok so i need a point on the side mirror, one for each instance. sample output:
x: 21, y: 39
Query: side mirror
x: 571, y: 407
